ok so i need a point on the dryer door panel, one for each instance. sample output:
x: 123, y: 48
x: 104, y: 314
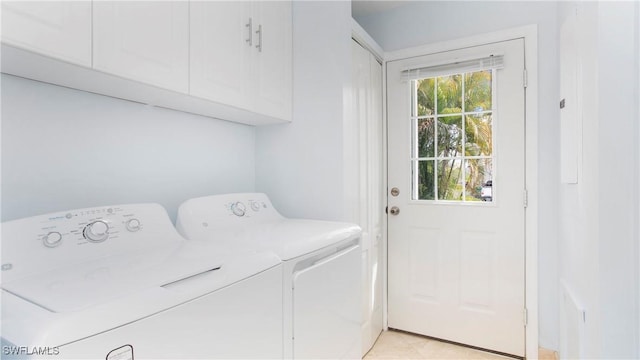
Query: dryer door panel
x: 326, y: 308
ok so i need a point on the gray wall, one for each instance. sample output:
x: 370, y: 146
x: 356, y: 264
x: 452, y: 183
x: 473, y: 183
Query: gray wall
x: 426, y: 22
x: 302, y: 165
x: 65, y: 149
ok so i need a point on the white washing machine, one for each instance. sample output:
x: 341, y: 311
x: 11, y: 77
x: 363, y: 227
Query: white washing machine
x: 321, y: 273
x: 120, y: 283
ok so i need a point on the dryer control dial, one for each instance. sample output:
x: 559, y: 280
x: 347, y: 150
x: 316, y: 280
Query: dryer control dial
x: 238, y: 209
x: 97, y: 231
x: 133, y: 225
x: 52, y: 239
x: 255, y: 206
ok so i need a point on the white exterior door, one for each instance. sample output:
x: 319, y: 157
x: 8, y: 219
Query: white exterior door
x: 456, y: 156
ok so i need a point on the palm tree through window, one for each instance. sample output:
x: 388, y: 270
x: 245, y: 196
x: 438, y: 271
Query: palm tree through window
x: 452, y: 148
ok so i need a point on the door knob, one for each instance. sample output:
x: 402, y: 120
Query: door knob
x: 394, y: 210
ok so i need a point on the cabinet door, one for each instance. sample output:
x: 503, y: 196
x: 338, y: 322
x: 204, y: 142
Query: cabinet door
x: 273, y: 89
x: 60, y: 29
x: 147, y: 41
x: 221, y: 46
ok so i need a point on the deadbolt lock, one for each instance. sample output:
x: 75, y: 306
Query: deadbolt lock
x: 395, y: 191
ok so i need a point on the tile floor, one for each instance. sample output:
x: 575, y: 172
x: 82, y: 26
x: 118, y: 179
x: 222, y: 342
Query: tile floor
x: 400, y: 345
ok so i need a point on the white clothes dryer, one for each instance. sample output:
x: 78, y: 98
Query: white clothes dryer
x: 119, y: 282
x: 321, y: 272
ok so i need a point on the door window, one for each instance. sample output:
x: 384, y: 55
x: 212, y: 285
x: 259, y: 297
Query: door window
x: 452, y: 130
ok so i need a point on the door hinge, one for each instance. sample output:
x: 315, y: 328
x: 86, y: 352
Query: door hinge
x: 525, y: 314
x: 526, y: 198
x: 525, y: 78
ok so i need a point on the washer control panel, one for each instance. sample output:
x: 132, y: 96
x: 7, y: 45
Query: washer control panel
x: 87, y: 226
x: 208, y: 214
x: 58, y: 239
x: 246, y: 207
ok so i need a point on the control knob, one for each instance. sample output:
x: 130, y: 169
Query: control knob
x: 238, y: 208
x: 97, y: 231
x: 255, y: 206
x: 133, y: 225
x: 52, y: 239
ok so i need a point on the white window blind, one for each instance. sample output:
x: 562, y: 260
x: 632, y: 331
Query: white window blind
x: 464, y: 66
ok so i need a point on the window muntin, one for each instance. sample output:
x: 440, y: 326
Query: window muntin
x: 453, y: 152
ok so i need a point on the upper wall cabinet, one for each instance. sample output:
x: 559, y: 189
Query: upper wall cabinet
x: 221, y: 36
x: 274, y: 58
x: 147, y: 41
x: 228, y: 60
x: 241, y: 55
x: 59, y: 29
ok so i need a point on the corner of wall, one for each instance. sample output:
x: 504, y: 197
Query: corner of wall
x: 637, y: 228
x: 301, y: 166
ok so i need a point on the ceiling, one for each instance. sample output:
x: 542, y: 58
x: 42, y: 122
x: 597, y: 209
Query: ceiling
x: 368, y: 7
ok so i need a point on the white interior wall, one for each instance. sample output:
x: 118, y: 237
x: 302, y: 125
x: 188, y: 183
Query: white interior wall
x: 617, y: 165
x: 638, y: 174
x: 599, y: 229
x: 420, y: 23
x: 579, y: 204
x: 304, y: 166
x: 65, y: 149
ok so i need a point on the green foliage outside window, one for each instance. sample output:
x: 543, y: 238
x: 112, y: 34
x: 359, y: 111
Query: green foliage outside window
x: 440, y: 106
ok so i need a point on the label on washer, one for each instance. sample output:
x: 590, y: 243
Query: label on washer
x: 122, y: 353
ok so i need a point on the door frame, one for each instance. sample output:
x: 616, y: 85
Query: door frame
x: 530, y: 35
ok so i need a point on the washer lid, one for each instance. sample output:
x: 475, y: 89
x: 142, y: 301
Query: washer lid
x: 81, y: 286
x: 71, y: 304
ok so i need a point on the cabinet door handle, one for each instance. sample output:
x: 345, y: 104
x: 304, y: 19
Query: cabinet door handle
x: 259, y: 32
x: 249, y: 25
